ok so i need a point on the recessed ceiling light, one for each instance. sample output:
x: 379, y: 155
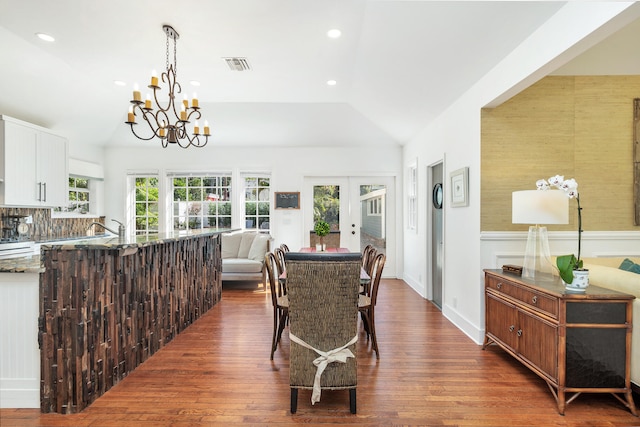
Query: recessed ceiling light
x: 332, y: 82
x: 194, y: 83
x: 119, y: 83
x: 45, y: 37
x: 334, y: 34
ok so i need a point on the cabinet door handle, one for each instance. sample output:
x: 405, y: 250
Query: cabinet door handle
x: 519, y: 332
x: 499, y: 286
x: 534, y: 299
x: 39, y: 191
x: 511, y: 328
x: 45, y: 191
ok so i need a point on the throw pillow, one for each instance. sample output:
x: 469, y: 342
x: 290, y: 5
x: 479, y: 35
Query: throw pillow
x: 628, y: 265
x: 259, y: 248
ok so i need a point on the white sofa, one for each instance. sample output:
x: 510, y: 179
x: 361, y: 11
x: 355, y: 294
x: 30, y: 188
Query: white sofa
x: 243, y: 255
x: 605, y: 273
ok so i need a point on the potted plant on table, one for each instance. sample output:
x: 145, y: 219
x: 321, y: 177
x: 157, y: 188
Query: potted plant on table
x: 322, y: 229
x: 569, y: 266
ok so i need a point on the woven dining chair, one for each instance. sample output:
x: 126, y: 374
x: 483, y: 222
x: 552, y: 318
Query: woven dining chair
x: 323, y: 323
x: 279, y: 300
x: 367, y: 301
x: 284, y: 247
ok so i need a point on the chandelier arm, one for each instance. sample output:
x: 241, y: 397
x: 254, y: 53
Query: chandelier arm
x: 138, y: 136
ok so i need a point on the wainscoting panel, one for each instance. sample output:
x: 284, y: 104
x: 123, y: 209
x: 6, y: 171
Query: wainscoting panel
x: 499, y: 248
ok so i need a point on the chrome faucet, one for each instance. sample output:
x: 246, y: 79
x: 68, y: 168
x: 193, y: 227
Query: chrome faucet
x: 120, y: 232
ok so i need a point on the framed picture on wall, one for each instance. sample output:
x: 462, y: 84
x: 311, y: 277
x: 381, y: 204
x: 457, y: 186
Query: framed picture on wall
x: 460, y: 187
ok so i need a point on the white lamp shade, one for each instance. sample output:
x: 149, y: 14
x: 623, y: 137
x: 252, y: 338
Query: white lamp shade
x: 540, y: 207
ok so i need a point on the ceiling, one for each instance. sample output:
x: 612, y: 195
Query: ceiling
x: 398, y: 64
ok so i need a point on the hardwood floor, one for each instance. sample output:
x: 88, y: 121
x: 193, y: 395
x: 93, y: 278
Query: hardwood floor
x: 218, y: 372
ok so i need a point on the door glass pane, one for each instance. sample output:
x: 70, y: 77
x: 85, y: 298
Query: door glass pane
x: 326, y: 205
x: 373, y: 217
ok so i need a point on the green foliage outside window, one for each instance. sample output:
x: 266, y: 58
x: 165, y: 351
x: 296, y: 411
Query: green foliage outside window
x: 326, y: 205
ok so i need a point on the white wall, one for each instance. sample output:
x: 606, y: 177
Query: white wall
x: 455, y: 137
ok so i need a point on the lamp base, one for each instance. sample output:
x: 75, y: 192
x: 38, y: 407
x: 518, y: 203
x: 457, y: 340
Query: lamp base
x: 537, y: 257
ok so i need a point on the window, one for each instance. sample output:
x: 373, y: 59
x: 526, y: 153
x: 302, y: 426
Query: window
x: 146, y: 204
x: 79, y: 196
x: 412, y: 194
x: 326, y: 205
x: 375, y: 207
x: 201, y: 201
x: 257, y: 202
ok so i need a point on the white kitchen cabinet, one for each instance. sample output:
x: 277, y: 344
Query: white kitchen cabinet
x: 33, y: 165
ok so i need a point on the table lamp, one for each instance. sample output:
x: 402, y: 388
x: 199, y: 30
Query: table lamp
x: 539, y: 207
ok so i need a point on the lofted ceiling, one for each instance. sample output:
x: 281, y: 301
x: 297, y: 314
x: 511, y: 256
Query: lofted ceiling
x: 398, y: 64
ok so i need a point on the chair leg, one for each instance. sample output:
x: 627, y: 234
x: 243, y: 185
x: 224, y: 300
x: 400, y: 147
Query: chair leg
x: 274, y: 343
x: 374, y: 338
x: 366, y: 322
x: 284, y: 318
x: 294, y: 400
x: 352, y: 400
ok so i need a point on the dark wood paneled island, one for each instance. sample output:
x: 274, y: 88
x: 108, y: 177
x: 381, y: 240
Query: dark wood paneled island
x: 107, y: 305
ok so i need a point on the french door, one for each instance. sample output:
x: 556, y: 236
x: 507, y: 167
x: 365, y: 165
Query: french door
x: 362, y: 209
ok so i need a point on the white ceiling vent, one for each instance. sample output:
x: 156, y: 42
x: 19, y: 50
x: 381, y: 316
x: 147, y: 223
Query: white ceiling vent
x: 237, y: 64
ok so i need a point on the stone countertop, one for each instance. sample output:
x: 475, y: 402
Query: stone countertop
x: 128, y: 245
x: 25, y: 264
x: 115, y: 242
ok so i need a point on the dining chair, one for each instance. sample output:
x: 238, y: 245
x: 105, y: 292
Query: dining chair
x: 371, y: 256
x: 367, y: 301
x: 279, y: 253
x: 365, y: 255
x: 323, y: 323
x: 279, y: 300
x: 284, y: 247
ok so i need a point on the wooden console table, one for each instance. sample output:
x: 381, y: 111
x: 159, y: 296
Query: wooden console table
x: 576, y: 342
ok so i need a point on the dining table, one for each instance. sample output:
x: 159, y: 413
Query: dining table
x: 364, y: 277
x: 327, y: 250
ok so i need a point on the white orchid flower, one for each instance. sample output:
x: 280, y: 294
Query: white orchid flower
x: 542, y: 184
x: 572, y: 193
x: 556, y: 180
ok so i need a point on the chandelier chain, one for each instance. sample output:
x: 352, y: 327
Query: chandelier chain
x: 167, y: 51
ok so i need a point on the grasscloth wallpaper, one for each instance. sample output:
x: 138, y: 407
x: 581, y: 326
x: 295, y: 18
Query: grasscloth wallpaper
x: 577, y: 126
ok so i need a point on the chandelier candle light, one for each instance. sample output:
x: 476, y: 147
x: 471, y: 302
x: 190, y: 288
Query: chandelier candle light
x: 168, y: 123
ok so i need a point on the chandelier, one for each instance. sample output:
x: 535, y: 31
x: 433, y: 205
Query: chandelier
x: 168, y: 123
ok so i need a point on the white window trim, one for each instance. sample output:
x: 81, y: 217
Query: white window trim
x: 412, y: 197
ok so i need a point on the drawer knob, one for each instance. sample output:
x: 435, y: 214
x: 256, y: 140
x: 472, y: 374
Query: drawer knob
x: 511, y: 328
x: 499, y: 285
x: 534, y: 299
x: 519, y: 332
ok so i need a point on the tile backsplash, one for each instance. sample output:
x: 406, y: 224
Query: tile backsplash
x: 45, y: 227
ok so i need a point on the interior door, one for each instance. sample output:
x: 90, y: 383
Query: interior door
x: 361, y: 208
x: 437, y: 237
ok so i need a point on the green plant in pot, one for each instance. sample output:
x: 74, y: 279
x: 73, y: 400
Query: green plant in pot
x: 568, y: 265
x: 321, y: 229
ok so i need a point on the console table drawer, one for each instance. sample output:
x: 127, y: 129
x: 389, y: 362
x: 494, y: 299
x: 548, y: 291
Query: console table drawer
x: 542, y: 302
